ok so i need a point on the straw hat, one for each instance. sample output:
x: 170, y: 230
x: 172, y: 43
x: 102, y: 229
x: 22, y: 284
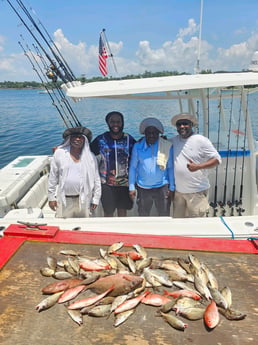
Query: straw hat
x: 184, y: 116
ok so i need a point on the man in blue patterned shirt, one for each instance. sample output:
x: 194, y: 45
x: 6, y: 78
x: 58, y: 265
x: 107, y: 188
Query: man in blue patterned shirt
x: 113, y: 149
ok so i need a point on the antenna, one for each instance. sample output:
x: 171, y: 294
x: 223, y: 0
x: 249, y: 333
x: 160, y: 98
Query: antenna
x: 197, y: 69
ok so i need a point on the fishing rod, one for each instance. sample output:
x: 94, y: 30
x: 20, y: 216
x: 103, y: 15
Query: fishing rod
x: 214, y: 204
x: 67, y: 73
x: 48, y: 90
x: 53, y: 78
x: 233, y: 201
x: 239, y: 203
x: 65, y: 77
x: 53, y: 43
x: 223, y: 203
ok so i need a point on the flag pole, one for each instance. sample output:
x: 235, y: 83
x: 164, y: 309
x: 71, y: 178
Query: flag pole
x: 103, y: 32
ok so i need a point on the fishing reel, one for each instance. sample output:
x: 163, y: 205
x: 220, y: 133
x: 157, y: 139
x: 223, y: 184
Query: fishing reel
x: 51, y: 75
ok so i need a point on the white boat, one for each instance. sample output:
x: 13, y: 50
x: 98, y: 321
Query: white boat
x: 222, y: 104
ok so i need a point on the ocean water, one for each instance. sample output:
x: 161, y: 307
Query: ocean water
x: 31, y: 125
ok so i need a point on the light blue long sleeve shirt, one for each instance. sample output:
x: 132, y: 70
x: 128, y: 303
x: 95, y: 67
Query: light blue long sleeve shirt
x: 144, y: 170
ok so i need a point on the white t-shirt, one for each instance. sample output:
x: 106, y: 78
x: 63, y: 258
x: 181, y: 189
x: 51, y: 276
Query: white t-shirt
x: 73, y: 179
x: 198, y: 149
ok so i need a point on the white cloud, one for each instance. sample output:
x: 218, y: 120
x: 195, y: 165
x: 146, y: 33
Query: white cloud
x: 178, y: 55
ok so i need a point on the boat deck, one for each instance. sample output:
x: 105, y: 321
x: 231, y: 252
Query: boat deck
x: 232, y: 261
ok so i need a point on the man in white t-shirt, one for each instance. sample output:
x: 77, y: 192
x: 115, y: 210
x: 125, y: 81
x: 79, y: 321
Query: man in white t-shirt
x: 193, y: 155
x: 74, y: 188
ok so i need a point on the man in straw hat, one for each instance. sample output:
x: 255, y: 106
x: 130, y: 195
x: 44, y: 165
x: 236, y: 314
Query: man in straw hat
x: 74, y: 187
x: 151, y: 170
x: 193, y: 155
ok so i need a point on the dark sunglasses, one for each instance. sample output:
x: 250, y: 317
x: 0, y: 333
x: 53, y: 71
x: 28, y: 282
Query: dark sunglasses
x: 183, y: 123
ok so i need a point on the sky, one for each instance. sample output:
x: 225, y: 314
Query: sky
x: 143, y: 35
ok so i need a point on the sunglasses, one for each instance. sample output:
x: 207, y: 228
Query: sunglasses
x: 183, y: 123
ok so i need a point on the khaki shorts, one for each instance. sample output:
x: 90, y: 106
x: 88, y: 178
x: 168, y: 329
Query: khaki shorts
x: 72, y: 209
x: 190, y: 205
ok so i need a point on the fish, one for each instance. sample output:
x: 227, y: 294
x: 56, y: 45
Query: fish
x: 132, y: 254
x: 52, y: 262
x: 144, y: 263
x: 196, y: 264
x: 226, y: 293
x: 71, y: 293
x: 174, y: 321
x: 231, y: 314
x: 218, y: 297
x: 117, y: 301
x: 211, y: 315
x: 140, y: 249
x: 97, y: 311
x: 150, y: 278
x: 48, y: 302
x: 122, y: 317
x: 76, y: 316
x: 192, y: 313
x: 161, y: 276
x: 93, y: 265
x: 115, y: 247
x: 156, y: 300
x: 182, y: 293
x: 61, y: 275
x: 47, y: 272
x: 85, y: 302
x: 62, y: 285
x: 183, y: 303
x: 131, y: 303
x: 123, y: 284
x: 69, y: 252
x: 165, y: 308
x: 211, y: 277
x: 184, y: 286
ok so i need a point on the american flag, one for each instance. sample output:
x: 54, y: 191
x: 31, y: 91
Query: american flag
x: 102, y: 57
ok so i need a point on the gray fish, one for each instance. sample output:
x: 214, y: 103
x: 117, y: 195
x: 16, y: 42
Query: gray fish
x: 161, y: 276
x: 192, y: 313
x: 174, y: 321
x: 227, y: 294
x: 231, y: 314
x: 140, y: 250
x: 62, y: 275
x: 218, y: 297
x: 48, y: 302
x: 52, y: 262
x: 141, y: 264
x: 47, y: 272
x: 97, y: 311
x: 69, y: 252
x: 114, y: 247
x: 76, y: 316
x: 122, y: 317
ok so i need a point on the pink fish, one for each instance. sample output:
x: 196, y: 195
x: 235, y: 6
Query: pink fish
x: 82, y: 303
x: 130, y: 303
x: 183, y: 293
x: 61, y: 285
x: 156, y: 300
x: 132, y: 254
x: 211, y: 315
x: 71, y: 293
x: 91, y: 265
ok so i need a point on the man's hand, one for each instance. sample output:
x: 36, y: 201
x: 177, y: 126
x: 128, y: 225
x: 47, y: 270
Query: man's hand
x: 132, y: 194
x: 52, y: 205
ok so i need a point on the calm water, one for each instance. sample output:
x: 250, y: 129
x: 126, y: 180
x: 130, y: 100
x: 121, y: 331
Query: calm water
x: 31, y: 125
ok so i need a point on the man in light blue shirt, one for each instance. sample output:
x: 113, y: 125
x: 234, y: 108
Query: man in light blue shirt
x: 151, y: 172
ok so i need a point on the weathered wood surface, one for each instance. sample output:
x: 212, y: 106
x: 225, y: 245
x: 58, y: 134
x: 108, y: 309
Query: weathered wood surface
x: 20, y: 291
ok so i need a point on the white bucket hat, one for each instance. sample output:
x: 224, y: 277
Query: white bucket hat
x: 151, y: 122
x: 184, y: 116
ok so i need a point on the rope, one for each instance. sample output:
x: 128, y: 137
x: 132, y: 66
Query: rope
x: 232, y: 233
